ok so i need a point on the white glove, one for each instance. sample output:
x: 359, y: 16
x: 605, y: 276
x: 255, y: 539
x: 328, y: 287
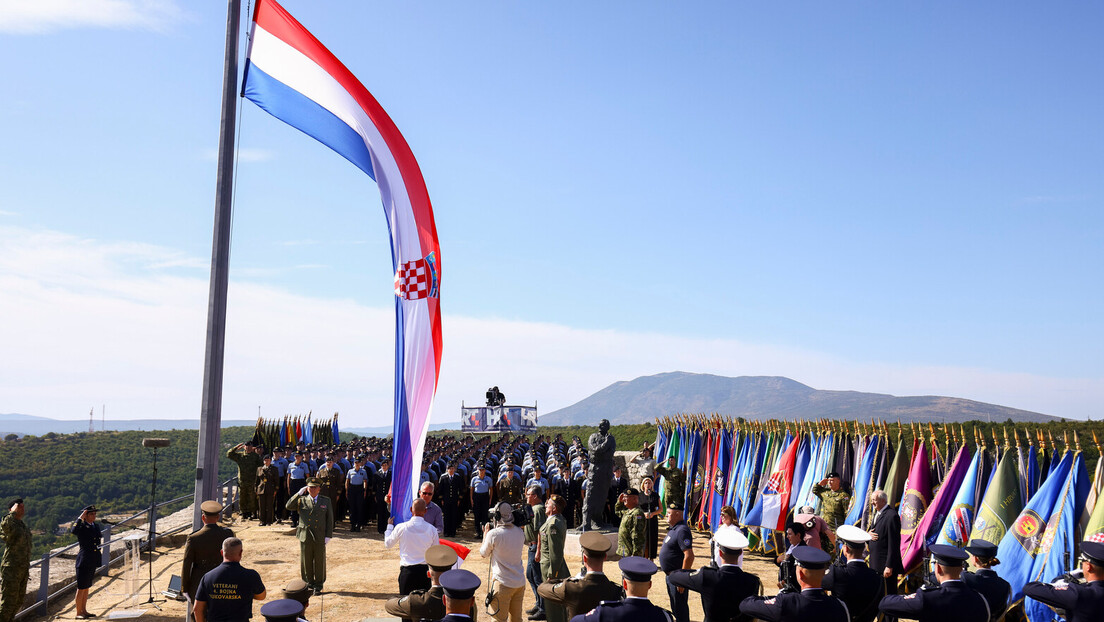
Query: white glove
x: 327, y: 540
x: 303, y: 491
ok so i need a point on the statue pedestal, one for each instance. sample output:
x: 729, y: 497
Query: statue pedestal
x: 572, y: 547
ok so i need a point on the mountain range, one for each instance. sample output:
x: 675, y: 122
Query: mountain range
x: 766, y: 397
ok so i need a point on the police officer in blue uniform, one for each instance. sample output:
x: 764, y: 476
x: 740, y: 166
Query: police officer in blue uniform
x: 1081, y: 601
x: 356, y: 485
x: 636, y: 580
x: 722, y: 588
x: 459, y: 586
x: 297, y: 475
x: 677, y: 553
x: 985, y: 581
x: 811, y: 603
x: 859, y: 586
x: 952, y: 601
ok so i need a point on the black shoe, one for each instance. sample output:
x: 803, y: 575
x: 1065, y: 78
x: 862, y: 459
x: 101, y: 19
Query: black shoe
x: 532, y: 610
x: 538, y: 616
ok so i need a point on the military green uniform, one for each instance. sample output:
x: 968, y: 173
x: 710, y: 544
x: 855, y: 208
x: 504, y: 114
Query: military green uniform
x: 331, y: 481
x: 268, y: 481
x: 248, y: 462
x: 512, y: 491
x: 316, y: 523
x: 15, y: 566
x: 553, y: 567
x: 580, y: 594
x: 630, y: 537
x: 833, y: 505
x: 674, y: 487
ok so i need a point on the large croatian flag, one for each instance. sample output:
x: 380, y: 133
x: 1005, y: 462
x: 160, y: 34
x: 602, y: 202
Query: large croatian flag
x: 293, y: 77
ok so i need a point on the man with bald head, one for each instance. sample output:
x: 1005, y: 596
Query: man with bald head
x: 414, y: 538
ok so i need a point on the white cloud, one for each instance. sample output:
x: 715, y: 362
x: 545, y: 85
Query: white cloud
x: 7, y: 213
x: 85, y: 323
x: 39, y: 16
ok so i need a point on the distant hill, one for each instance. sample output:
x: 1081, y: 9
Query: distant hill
x: 23, y: 425
x: 766, y: 397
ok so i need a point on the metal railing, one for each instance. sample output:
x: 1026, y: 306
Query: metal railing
x: 229, y: 497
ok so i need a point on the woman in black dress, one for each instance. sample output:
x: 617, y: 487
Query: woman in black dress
x: 89, y: 558
x: 649, y: 504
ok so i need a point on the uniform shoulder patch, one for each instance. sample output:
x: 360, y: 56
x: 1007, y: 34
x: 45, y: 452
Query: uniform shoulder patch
x: 910, y: 596
x: 769, y: 601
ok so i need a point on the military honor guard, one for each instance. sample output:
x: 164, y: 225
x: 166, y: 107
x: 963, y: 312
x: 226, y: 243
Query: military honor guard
x: 268, y: 482
x: 89, y: 557
x: 952, y: 601
x: 1080, y: 601
x: 203, y: 549
x: 834, y: 500
x: 449, y: 491
x: 579, y: 595
x: 315, y: 528
x: 633, y: 531
x: 15, y: 567
x: 811, y: 603
x: 459, y: 586
x: 859, y: 586
x: 677, y: 553
x: 985, y: 581
x: 382, y: 482
x: 636, y: 573
x: 550, y: 554
x: 248, y: 461
x: 427, y: 604
x: 722, y: 589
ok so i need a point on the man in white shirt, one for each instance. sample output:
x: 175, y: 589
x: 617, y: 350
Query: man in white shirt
x: 504, y: 544
x: 414, y: 537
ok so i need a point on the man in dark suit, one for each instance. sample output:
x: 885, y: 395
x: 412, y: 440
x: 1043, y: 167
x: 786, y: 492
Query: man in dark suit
x: 203, y: 549
x: 859, y: 586
x: 448, y: 491
x: 952, y: 601
x: 581, y: 594
x: 811, y: 603
x: 885, y: 542
x: 722, y: 589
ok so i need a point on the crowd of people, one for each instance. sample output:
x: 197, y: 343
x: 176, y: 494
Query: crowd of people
x: 523, y: 497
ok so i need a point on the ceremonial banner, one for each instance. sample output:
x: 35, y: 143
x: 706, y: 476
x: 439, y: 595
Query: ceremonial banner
x: 1001, y: 504
x: 293, y: 77
x: 775, y: 500
x: 898, y: 474
x: 914, y: 504
x: 956, y: 528
x: 862, y: 487
x: 928, y: 528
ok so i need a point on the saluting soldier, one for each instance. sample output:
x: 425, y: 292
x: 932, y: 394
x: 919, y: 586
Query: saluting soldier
x: 631, y: 534
x: 550, y: 553
x: 203, y: 549
x: 89, y: 558
x: 248, y: 462
x: 581, y: 594
x: 952, y: 601
x: 985, y: 581
x: 811, y: 603
x: 722, y: 589
x: 675, y: 488
x: 268, y: 480
x: 834, y: 500
x: 15, y: 567
x: 427, y: 604
x: 636, y: 573
x: 315, y: 528
x: 859, y: 586
x: 1082, y: 602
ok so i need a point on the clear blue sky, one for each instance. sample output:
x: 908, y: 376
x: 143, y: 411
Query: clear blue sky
x: 882, y: 197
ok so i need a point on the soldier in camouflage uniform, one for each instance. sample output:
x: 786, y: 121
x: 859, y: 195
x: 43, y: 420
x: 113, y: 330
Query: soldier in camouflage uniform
x: 630, y: 537
x: 15, y: 566
x: 833, y: 500
x: 248, y: 462
x: 674, y: 488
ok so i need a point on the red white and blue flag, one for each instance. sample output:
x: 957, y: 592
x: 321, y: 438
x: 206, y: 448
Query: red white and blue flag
x: 293, y: 77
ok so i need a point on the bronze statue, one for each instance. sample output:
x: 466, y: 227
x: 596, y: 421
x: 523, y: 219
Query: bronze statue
x: 600, y: 446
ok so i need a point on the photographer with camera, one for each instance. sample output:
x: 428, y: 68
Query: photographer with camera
x: 504, y: 544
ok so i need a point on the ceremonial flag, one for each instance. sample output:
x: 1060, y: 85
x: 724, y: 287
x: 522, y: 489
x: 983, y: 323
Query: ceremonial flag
x: 1001, y: 504
x: 776, y: 493
x: 801, y: 466
x: 308, y: 430
x: 337, y: 439
x: 862, y: 487
x: 897, y: 476
x: 1058, y: 548
x: 1094, y: 526
x: 720, y: 479
x: 955, y: 530
x: 693, y: 477
x: 914, y: 504
x: 283, y: 434
x: 293, y: 77
x: 1020, y: 546
x: 928, y: 528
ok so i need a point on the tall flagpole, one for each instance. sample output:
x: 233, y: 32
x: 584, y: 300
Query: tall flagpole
x: 210, y: 421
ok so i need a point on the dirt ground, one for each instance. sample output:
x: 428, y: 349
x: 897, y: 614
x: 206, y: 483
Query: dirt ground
x: 361, y: 575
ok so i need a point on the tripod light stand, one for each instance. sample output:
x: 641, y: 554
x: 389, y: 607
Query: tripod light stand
x: 154, y: 444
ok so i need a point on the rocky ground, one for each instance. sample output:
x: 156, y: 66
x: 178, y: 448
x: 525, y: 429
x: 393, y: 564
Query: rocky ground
x: 361, y: 573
